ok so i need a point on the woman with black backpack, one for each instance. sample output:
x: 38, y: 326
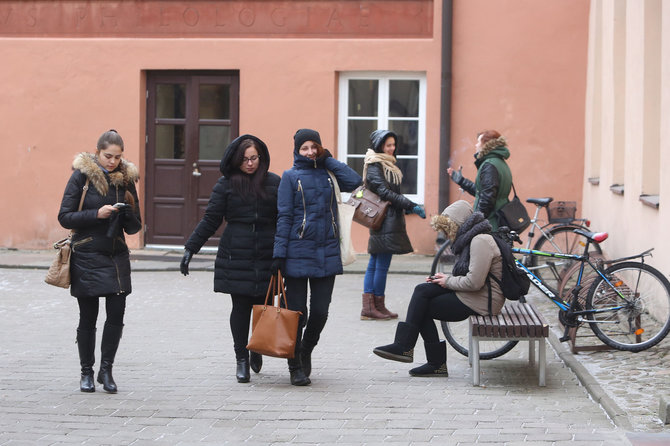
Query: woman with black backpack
x: 451, y: 297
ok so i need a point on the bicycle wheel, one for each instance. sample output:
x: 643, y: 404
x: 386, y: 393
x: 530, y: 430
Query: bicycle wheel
x: 456, y: 333
x: 643, y: 295
x: 563, y: 240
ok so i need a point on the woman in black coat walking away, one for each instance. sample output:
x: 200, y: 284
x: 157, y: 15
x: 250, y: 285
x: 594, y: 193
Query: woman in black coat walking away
x: 100, y: 262
x: 383, y: 177
x: 246, y: 197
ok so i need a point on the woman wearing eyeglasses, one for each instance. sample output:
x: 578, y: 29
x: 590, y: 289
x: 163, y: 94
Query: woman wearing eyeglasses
x: 246, y: 196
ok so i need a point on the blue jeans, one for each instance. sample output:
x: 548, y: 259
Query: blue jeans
x: 374, y: 281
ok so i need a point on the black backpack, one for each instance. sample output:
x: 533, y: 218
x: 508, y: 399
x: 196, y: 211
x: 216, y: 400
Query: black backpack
x: 515, y: 283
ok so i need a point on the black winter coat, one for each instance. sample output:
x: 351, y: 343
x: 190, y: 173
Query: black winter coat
x: 392, y: 237
x: 100, y: 262
x: 244, y: 257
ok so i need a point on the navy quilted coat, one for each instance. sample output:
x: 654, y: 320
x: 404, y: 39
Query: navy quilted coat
x: 306, y: 203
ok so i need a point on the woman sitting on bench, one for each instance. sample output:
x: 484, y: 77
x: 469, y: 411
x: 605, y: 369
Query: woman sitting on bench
x: 450, y: 297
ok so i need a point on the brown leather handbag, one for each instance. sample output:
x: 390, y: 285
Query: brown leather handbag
x: 274, y: 329
x: 370, y: 209
x: 59, y: 271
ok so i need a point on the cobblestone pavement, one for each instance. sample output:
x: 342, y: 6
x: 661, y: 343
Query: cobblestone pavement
x: 175, y: 371
x: 634, y: 381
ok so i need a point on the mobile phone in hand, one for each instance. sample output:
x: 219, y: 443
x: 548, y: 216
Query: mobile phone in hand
x: 121, y: 205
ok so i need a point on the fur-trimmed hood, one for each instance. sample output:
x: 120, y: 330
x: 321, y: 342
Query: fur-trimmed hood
x: 125, y: 174
x: 497, y: 143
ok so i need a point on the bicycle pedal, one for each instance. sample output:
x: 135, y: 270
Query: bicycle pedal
x: 564, y: 338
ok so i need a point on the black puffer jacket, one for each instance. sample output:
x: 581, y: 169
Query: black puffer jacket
x: 244, y: 256
x: 392, y: 236
x: 100, y: 263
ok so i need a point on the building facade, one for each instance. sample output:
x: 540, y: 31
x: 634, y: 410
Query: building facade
x: 179, y: 80
x: 627, y: 112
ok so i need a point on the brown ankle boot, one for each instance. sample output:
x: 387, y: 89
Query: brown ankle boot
x: 369, y: 310
x: 381, y: 307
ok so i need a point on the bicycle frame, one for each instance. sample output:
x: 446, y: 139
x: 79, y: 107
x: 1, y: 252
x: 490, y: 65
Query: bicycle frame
x: 570, y: 308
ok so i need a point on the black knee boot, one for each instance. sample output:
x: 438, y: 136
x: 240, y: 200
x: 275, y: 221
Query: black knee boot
x: 311, y: 337
x: 86, y: 347
x: 402, y: 348
x: 298, y: 377
x: 111, y: 336
x: 436, y: 355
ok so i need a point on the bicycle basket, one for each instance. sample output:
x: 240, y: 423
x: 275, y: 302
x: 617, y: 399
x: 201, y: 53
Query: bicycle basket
x: 561, y: 211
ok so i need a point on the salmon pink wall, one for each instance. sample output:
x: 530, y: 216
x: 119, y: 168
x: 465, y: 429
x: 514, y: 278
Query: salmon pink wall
x: 520, y: 68
x: 65, y: 92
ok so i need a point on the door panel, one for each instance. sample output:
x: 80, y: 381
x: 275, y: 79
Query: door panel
x: 191, y: 119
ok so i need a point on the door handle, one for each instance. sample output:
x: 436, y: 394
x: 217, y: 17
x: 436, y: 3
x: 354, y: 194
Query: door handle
x: 196, y: 172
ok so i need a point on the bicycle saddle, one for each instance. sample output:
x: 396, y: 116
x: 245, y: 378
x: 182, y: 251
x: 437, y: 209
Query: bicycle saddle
x: 597, y: 237
x: 540, y: 201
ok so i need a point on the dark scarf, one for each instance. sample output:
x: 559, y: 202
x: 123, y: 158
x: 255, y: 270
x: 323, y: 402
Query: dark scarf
x: 476, y: 224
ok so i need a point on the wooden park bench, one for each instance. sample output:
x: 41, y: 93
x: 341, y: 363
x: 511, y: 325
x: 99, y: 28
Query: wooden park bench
x: 516, y: 322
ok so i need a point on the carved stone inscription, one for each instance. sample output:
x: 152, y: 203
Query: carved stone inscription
x: 223, y: 18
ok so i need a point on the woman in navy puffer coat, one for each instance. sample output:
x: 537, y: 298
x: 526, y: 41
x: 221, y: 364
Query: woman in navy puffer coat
x: 307, y: 245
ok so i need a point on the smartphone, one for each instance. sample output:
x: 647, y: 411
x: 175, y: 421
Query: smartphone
x: 121, y: 205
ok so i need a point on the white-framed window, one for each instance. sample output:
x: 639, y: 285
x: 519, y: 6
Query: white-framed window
x: 385, y: 100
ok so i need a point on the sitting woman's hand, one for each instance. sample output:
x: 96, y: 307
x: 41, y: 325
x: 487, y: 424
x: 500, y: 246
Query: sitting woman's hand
x: 438, y: 278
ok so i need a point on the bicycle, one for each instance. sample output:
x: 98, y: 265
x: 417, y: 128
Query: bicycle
x: 557, y: 236
x: 627, y: 305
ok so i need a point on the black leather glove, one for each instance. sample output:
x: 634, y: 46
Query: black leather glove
x: 278, y: 264
x: 457, y: 175
x: 126, y: 213
x: 183, y: 266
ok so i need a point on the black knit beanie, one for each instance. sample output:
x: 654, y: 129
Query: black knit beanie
x: 303, y: 135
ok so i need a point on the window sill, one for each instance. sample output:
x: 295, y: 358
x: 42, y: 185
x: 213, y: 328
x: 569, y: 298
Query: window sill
x: 594, y: 181
x: 617, y: 189
x: 650, y: 200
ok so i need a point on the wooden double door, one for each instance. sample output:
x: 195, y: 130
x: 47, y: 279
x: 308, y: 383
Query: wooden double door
x: 191, y: 119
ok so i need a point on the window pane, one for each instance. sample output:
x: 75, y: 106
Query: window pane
x: 214, y: 102
x: 363, y: 97
x: 359, y: 135
x: 404, y: 98
x: 409, y: 172
x: 356, y: 164
x: 170, y: 142
x: 170, y: 101
x: 213, y: 141
x: 407, y: 131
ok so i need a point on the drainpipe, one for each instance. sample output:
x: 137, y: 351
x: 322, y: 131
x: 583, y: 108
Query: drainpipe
x: 445, y: 104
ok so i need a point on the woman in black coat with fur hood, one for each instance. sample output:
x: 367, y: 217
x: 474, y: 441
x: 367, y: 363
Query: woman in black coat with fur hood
x: 246, y: 197
x: 100, y: 261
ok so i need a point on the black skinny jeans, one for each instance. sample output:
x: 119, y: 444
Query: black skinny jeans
x: 115, y: 306
x: 430, y: 301
x: 321, y: 291
x: 240, y: 316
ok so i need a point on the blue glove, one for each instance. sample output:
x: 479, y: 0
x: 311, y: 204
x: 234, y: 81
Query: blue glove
x: 457, y: 175
x: 418, y: 210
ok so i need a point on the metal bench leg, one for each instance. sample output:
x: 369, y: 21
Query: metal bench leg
x: 474, y: 360
x: 543, y: 362
x: 470, y: 342
x: 531, y: 352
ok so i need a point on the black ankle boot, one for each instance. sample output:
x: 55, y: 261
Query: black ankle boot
x: 298, y: 377
x: 255, y: 361
x: 111, y: 336
x: 86, y: 347
x: 436, y: 355
x: 242, y: 372
x: 402, y: 348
